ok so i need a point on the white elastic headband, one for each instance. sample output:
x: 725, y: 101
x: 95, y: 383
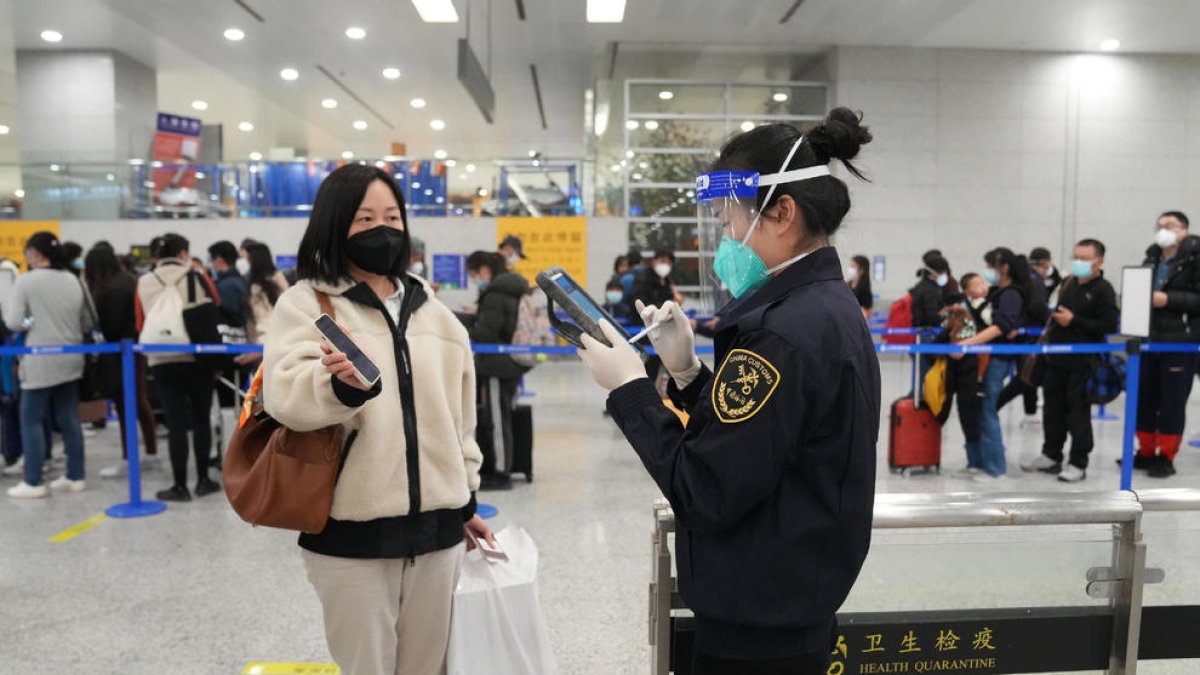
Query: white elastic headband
x: 792, y: 176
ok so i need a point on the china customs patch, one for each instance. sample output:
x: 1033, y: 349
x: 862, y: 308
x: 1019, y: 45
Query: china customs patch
x: 742, y: 386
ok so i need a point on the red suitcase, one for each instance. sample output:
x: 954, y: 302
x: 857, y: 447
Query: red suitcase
x: 915, y: 438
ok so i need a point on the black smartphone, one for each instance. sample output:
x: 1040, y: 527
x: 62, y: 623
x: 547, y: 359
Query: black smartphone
x: 364, y: 368
x: 586, y: 312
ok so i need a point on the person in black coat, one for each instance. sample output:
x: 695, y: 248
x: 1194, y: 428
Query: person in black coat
x: 772, y: 480
x: 858, y: 275
x: 1166, y: 379
x: 927, y: 297
x: 498, y: 376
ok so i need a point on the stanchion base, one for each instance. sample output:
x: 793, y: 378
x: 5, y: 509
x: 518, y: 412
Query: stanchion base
x: 138, y: 510
x: 1106, y: 417
x: 486, y: 511
x: 1194, y: 444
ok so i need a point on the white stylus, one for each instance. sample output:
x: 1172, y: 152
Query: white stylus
x: 646, y: 331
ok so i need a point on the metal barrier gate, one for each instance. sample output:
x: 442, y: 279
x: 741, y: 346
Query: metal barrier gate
x: 1037, y: 639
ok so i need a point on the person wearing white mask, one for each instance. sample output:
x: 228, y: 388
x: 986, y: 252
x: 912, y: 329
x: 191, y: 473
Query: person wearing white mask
x: 511, y: 250
x: 928, y: 300
x: 653, y: 287
x: 772, y: 479
x: 1166, y: 381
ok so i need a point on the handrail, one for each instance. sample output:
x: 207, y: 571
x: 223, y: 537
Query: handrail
x: 1169, y: 499
x: 896, y: 511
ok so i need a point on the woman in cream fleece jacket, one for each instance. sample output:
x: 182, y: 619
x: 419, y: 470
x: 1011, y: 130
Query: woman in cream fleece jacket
x: 386, y: 565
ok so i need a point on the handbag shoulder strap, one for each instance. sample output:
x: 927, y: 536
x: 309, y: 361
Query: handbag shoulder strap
x: 87, y: 302
x: 325, y: 303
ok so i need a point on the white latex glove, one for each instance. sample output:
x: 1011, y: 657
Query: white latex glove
x: 613, y: 366
x: 674, y: 341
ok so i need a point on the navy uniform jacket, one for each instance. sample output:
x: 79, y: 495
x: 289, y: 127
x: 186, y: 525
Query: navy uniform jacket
x: 773, y: 480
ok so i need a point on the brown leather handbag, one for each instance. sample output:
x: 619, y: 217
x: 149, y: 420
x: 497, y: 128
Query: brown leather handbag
x: 277, y: 477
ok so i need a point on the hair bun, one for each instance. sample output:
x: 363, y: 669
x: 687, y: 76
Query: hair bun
x: 840, y: 136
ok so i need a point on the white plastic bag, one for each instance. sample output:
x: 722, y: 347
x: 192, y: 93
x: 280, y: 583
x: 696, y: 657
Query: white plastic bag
x: 497, y: 626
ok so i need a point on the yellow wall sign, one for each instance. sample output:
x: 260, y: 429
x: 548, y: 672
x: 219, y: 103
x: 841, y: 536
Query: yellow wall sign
x: 548, y: 242
x: 14, y: 234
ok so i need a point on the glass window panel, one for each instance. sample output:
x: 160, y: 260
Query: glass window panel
x: 678, y: 134
x: 778, y: 100
x: 657, y: 202
x: 683, y: 99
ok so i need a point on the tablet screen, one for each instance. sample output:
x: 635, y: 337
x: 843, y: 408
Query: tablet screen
x: 582, y: 299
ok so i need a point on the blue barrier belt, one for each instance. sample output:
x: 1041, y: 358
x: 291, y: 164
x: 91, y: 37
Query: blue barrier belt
x: 1031, y: 332
x: 1171, y: 347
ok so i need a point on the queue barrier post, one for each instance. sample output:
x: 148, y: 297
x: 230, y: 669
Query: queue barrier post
x: 135, y: 507
x: 1132, y: 381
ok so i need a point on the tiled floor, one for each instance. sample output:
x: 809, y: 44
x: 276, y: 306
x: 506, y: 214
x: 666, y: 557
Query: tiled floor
x: 195, y: 590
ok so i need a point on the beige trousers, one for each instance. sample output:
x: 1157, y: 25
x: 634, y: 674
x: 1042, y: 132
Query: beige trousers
x: 387, y: 617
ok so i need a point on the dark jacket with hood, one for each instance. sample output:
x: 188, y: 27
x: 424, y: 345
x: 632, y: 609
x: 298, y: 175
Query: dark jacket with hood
x: 926, y: 303
x: 1179, y: 321
x: 495, y: 322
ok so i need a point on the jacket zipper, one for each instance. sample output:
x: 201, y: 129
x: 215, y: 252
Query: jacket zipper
x: 410, y: 428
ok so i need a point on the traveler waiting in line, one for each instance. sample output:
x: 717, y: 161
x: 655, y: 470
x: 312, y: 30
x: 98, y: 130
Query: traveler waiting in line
x: 964, y: 320
x: 1008, y: 275
x: 1042, y: 264
x: 928, y: 301
x: 951, y: 293
x: 230, y: 282
x: 497, y: 375
x: 72, y: 257
x: 511, y: 251
x: 772, y: 480
x: 614, y: 301
x: 184, y: 385
x: 1166, y: 379
x: 114, y: 292
x: 620, y: 269
x: 632, y: 272
x: 653, y: 287
x: 50, y: 306
x: 858, y: 275
x: 387, y: 563
x: 266, y: 284
x: 1037, y: 317
x: 1086, y: 313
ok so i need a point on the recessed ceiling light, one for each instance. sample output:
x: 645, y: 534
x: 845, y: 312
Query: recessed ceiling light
x: 199, y: 105
x: 417, y: 103
x: 462, y: 176
x: 605, y: 11
x: 111, y: 176
x: 391, y: 73
x: 440, y: 154
x: 666, y: 95
x: 451, y: 163
x: 628, y: 154
x: 470, y: 168
x: 346, y: 154
x: 416, y: 185
x: 643, y: 165
x: 256, y: 156
x: 632, y: 125
x: 747, y: 126
x: 329, y: 103
x: 19, y: 193
x: 52, y: 36
x: 1110, y: 45
x: 533, y: 153
x: 4, y: 130
x: 289, y: 74
x: 437, y: 125
x: 360, y: 124
x: 651, y: 125
x: 616, y: 168
x: 355, y: 33
x: 436, y: 11
x: 234, y: 34
x: 245, y: 126
x: 780, y: 97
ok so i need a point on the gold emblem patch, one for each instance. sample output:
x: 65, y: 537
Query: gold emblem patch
x: 742, y: 386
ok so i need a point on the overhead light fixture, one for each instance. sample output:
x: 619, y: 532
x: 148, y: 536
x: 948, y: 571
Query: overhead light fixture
x: 199, y: 105
x: 256, y: 156
x: 780, y: 97
x: 651, y: 125
x: 436, y: 11
x: 437, y: 125
x: 111, y: 177
x: 4, y: 130
x: 470, y: 168
x: 638, y: 176
x: 55, y: 167
x: 355, y: 33
x: 747, y: 126
x: 666, y: 95
x: 451, y: 163
x: 391, y: 73
x: 329, y: 103
x: 1110, y: 45
x: 632, y: 125
x: 616, y: 168
x: 235, y: 34
x: 416, y: 185
x: 52, y: 36
x: 19, y: 193
x: 462, y: 176
x: 628, y: 154
x: 200, y: 175
x: 605, y: 11
x: 360, y: 125
x: 440, y: 154
x: 346, y: 154
x: 289, y: 74
x: 245, y: 126
x: 417, y: 103
x: 537, y: 163
x: 643, y: 165
x: 380, y: 164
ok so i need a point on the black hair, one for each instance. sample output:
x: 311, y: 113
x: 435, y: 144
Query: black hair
x: 966, y: 280
x: 322, y: 253
x: 1018, y: 268
x: 664, y: 253
x: 1096, y: 245
x: 1178, y: 215
x: 489, y: 259
x: 71, y: 251
x: 1039, y: 254
x: 170, y: 245
x: 100, y: 268
x: 620, y: 259
x: 225, y: 251
x: 156, y: 247
x: 262, y: 270
x: 634, y: 257
x: 48, y: 245
x: 862, y: 262
x: 246, y: 244
x: 614, y: 284
x: 824, y: 201
x: 863, y: 283
x: 935, y: 262
x: 933, y: 251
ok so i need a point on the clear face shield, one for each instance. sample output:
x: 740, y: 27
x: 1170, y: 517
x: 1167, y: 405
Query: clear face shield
x: 728, y: 216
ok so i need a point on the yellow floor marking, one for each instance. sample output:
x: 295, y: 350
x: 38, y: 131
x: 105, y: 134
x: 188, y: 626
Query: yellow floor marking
x: 291, y: 669
x: 71, y: 533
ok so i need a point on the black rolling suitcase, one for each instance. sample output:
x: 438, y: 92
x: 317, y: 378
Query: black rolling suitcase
x: 522, y: 460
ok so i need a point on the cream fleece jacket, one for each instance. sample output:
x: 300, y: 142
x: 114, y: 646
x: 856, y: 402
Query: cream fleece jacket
x: 298, y: 392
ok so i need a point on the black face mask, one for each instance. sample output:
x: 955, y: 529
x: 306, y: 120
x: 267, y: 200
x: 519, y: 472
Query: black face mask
x: 378, y: 250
